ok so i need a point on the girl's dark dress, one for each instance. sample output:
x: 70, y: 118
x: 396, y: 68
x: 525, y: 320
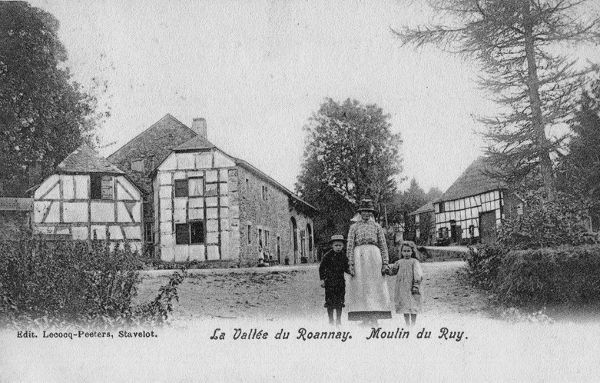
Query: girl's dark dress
x: 331, y: 270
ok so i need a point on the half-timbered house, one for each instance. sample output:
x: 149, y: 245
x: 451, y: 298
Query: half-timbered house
x: 87, y: 197
x: 473, y: 207
x: 208, y: 206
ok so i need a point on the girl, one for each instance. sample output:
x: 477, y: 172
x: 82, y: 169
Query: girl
x: 408, y: 283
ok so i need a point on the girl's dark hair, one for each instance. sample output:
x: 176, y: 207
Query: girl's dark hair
x: 414, y: 253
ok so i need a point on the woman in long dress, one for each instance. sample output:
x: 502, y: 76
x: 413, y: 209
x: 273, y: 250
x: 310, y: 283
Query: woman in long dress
x: 367, y: 294
x: 408, y: 292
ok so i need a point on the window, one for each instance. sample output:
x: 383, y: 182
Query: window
x: 249, y: 233
x: 102, y: 187
x: 260, y: 241
x: 196, y: 232
x: 137, y: 165
x: 441, y: 205
x: 266, y: 238
x: 189, y: 233
x: 182, y: 233
x: 181, y: 188
x: 265, y: 193
x: 148, y: 232
x: 417, y: 219
x: 196, y: 186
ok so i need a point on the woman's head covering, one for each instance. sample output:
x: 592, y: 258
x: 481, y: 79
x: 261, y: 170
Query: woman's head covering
x: 366, y: 205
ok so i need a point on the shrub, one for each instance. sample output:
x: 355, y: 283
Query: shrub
x: 563, y: 275
x: 74, y: 281
x: 547, y: 223
x: 484, y: 263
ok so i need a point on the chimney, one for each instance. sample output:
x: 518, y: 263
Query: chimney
x: 199, y: 126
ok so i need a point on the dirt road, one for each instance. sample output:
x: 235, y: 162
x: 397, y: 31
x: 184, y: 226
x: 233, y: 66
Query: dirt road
x: 295, y: 292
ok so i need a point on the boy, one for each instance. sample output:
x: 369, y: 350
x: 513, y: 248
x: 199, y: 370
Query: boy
x: 331, y: 273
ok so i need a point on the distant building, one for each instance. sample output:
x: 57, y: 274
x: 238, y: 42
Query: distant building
x: 87, y: 197
x: 206, y: 205
x: 423, y: 222
x: 473, y: 206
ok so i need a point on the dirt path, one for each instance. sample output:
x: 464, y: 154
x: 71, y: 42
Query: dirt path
x: 274, y: 293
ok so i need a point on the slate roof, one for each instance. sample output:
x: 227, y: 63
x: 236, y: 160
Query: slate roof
x: 264, y: 176
x: 196, y: 143
x: 86, y: 160
x: 473, y: 181
x: 157, y: 141
x: 428, y: 207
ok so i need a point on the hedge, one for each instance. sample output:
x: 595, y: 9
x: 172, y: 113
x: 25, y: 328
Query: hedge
x: 568, y: 274
x: 75, y: 281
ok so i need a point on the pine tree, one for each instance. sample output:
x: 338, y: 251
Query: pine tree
x: 515, y: 43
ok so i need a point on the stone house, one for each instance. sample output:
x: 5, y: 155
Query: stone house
x: 87, y: 197
x: 473, y: 207
x: 423, y: 222
x: 206, y: 205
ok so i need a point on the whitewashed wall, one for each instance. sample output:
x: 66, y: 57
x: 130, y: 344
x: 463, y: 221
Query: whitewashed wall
x: 216, y: 209
x: 466, y: 211
x: 62, y: 205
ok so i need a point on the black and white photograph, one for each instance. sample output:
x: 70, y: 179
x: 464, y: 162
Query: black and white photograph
x: 299, y: 190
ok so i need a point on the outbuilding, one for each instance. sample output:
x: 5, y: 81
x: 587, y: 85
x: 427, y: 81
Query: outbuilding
x: 473, y: 207
x: 88, y: 197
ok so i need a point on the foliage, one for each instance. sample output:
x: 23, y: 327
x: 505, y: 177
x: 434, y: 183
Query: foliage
x: 579, y: 169
x: 75, y: 282
x: 566, y: 274
x: 515, y: 43
x: 541, y: 276
x: 44, y: 114
x: 404, y: 203
x: 351, y: 148
x: 484, y: 262
x: 547, y: 223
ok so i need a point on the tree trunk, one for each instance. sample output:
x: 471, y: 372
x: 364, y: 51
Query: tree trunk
x: 537, y: 121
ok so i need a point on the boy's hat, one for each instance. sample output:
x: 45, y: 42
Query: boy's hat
x: 337, y: 238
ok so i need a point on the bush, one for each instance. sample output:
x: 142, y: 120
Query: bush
x: 546, y: 223
x: 74, y: 281
x: 541, y: 276
x: 484, y: 264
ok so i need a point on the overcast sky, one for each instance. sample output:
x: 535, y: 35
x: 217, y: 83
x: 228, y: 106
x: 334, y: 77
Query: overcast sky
x: 257, y: 70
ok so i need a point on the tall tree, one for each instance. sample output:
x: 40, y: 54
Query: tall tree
x: 351, y: 148
x: 516, y: 43
x: 44, y: 114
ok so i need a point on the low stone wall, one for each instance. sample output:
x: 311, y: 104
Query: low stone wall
x: 442, y: 253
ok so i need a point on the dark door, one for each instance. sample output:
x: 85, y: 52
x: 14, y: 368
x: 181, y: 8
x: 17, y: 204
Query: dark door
x: 487, y: 227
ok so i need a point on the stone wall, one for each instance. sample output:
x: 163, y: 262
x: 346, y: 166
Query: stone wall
x: 265, y: 207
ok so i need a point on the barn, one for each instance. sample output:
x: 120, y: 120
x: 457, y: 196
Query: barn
x: 473, y: 207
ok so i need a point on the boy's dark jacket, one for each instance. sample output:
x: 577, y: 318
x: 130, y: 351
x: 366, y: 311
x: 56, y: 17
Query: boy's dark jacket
x: 332, y: 268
